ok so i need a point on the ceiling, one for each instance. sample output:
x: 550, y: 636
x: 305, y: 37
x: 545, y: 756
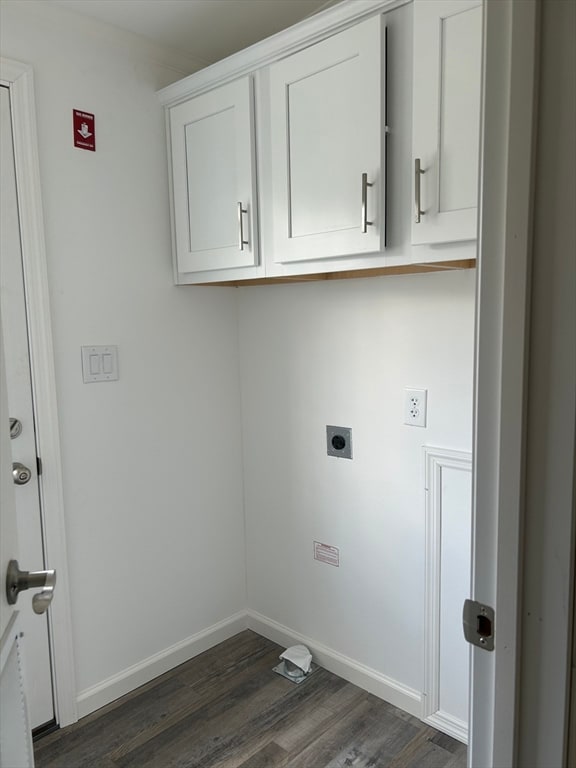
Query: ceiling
x: 205, y: 30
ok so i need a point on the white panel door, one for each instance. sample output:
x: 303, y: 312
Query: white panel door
x: 326, y: 132
x: 446, y: 119
x: 19, y: 393
x: 214, y: 179
x: 15, y: 735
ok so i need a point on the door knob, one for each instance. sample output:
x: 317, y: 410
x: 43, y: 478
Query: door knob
x: 17, y: 581
x: 20, y: 473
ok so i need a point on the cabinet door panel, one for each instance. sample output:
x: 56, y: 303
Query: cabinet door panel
x: 459, y: 123
x: 326, y: 132
x: 213, y: 170
x: 323, y: 180
x: 210, y: 158
x: 446, y: 117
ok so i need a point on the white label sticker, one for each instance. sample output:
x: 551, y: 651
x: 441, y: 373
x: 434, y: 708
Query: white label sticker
x: 327, y: 554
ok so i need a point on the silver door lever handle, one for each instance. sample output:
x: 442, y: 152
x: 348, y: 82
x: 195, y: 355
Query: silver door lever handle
x: 17, y: 581
x: 42, y: 600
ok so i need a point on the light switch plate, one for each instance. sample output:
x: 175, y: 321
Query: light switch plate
x: 100, y: 363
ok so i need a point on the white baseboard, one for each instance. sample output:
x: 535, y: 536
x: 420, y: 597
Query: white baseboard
x: 369, y: 679
x: 449, y: 724
x: 131, y: 678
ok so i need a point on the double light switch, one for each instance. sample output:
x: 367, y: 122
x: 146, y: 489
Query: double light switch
x: 99, y: 363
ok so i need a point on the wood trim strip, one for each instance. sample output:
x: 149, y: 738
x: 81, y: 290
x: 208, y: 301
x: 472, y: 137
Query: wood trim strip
x: 350, y: 274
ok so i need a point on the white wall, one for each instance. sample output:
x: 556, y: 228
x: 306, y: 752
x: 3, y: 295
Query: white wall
x: 342, y: 353
x: 153, y: 462
x: 152, y: 471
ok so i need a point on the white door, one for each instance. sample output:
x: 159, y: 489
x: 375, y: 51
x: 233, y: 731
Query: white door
x: 214, y: 179
x: 23, y: 445
x: 329, y: 200
x: 15, y: 735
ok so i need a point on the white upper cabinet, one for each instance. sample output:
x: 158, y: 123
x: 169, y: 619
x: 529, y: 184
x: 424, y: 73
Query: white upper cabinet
x: 213, y: 169
x: 326, y: 141
x: 278, y: 153
x: 446, y: 119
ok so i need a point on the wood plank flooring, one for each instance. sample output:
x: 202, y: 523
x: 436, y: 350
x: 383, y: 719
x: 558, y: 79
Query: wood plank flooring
x: 227, y: 708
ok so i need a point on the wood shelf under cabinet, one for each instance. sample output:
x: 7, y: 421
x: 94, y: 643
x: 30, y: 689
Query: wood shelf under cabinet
x: 407, y: 269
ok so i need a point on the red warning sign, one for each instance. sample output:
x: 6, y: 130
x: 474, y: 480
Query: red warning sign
x: 84, y: 130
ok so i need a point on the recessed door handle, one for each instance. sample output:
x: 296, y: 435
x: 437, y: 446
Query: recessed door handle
x: 17, y: 581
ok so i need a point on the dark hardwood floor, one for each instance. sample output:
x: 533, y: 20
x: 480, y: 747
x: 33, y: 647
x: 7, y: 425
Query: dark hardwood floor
x: 227, y: 708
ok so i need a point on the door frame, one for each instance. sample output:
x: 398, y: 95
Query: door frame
x: 502, y: 313
x: 511, y: 684
x: 18, y: 78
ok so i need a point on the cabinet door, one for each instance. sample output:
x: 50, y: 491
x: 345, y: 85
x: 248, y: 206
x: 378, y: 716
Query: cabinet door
x: 446, y: 119
x: 214, y: 180
x: 326, y: 132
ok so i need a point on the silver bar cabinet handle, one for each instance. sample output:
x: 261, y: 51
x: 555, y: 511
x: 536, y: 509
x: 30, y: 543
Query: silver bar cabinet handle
x: 241, y: 241
x: 417, y: 173
x: 365, y: 223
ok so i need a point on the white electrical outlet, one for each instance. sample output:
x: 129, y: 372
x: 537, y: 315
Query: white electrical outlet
x: 415, y: 407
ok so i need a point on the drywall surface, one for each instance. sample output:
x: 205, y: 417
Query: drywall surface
x: 341, y: 353
x: 151, y: 462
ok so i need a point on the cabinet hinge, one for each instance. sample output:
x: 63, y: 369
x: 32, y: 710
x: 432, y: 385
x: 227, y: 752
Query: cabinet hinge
x: 38, y: 465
